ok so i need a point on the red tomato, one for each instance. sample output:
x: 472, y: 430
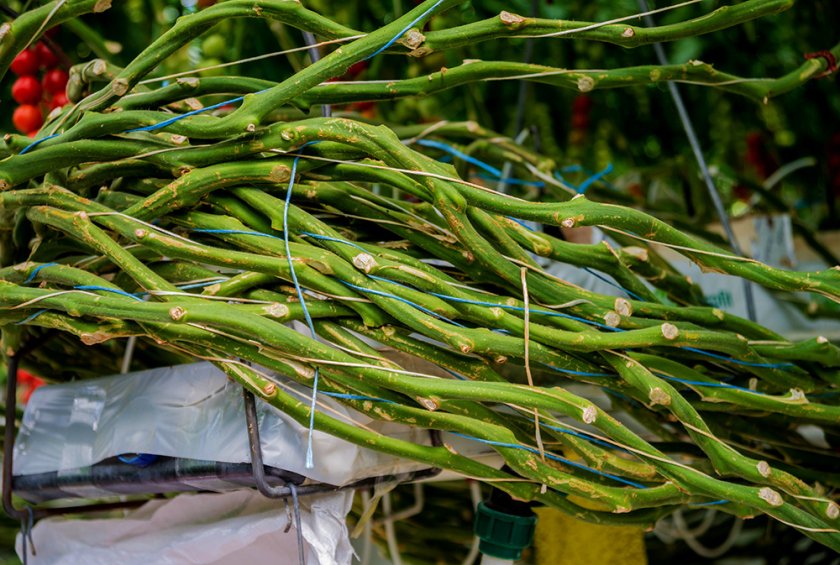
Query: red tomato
x: 28, y: 383
x: 26, y: 63
x: 27, y: 90
x: 357, y: 68
x: 46, y: 57
x: 27, y: 118
x: 55, y: 81
x: 59, y: 101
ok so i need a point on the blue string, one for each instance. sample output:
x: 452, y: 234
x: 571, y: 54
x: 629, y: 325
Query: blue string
x: 200, y: 284
x: 580, y: 169
x: 712, y: 503
x: 495, y: 174
x: 704, y: 383
x: 738, y: 361
x: 30, y: 317
x: 549, y: 313
x: 106, y: 289
x: 80, y: 287
x: 579, y: 373
x: 403, y: 300
x: 38, y: 142
x: 309, y: 458
x: 597, y: 176
x: 559, y: 177
x: 179, y: 117
x: 405, y: 29
x: 555, y: 458
x: 453, y: 298
x: 35, y: 271
x: 357, y: 397
x: 461, y: 155
x: 599, y: 276
x: 589, y: 322
x: 335, y: 239
x: 456, y: 375
x: 513, y: 180
x: 189, y: 286
x: 520, y: 222
x: 235, y: 232
x: 583, y: 436
x: 138, y: 459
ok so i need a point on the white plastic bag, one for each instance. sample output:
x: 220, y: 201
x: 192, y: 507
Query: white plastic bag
x: 192, y: 412
x: 206, y: 529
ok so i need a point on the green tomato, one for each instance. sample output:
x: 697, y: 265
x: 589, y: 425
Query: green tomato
x: 214, y: 46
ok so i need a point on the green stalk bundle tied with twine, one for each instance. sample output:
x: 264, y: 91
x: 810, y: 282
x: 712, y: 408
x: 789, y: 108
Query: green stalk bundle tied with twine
x: 204, y: 224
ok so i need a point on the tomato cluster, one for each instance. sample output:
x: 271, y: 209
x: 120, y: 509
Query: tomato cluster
x: 36, y: 96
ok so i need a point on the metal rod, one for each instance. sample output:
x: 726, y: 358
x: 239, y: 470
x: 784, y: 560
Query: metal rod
x: 9, y: 438
x: 701, y: 162
x: 298, y: 527
x: 257, y: 466
x: 314, y: 56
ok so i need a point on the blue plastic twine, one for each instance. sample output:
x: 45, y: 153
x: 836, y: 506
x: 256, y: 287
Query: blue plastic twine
x: 35, y: 271
x: 310, y: 463
x: 403, y: 30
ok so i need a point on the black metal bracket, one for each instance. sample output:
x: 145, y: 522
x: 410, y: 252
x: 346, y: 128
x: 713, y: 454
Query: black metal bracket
x: 286, y: 490
x: 294, y: 489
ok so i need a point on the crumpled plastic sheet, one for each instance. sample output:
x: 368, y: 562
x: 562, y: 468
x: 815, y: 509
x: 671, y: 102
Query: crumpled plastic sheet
x: 207, y: 529
x: 193, y: 412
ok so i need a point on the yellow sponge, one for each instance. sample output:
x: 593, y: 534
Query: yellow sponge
x: 563, y: 540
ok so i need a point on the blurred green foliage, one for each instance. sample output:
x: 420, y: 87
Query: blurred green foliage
x: 635, y: 129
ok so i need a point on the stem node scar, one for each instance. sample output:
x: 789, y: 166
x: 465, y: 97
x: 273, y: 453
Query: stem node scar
x: 670, y: 331
x: 429, y: 404
x: 364, y: 262
x: 510, y: 19
x: 119, y: 86
x: 413, y: 39
x: 770, y: 496
x: 763, y: 469
x: 659, y: 396
x: 177, y: 313
x: 277, y: 310
x: 586, y: 84
x: 612, y: 319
